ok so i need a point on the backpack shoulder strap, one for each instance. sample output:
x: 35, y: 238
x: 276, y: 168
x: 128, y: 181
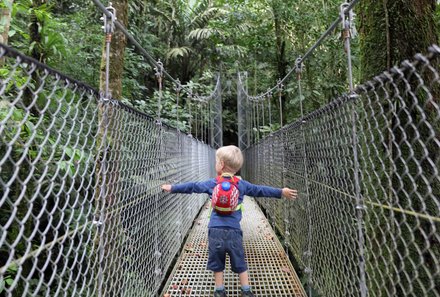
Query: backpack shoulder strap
x: 235, y: 180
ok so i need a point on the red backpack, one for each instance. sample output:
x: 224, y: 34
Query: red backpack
x: 225, y: 195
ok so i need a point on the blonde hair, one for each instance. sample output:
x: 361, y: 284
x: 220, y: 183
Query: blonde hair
x: 231, y: 157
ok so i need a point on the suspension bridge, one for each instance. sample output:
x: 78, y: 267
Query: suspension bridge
x: 82, y: 212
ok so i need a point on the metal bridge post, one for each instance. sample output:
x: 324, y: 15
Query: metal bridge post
x: 101, y: 209
x: 218, y: 124
x: 108, y: 27
x: 159, y: 77
x: 243, y: 139
x: 308, y: 253
x: 347, y: 23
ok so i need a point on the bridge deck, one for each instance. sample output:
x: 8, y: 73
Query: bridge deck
x: 270, y: 271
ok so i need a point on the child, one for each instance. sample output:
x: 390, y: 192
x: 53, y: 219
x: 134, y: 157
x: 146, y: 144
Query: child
x: 224, y: 231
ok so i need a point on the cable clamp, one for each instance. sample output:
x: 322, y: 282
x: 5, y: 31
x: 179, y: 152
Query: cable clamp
x: 159, y: 70
x: 109, y: 21
x: 104, y: 98
x: 178, y: 86
x: 299, y: 65
x: 347, y: 18
x: 353, y: 96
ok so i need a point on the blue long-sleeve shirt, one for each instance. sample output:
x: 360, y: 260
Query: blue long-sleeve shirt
x: 244, y: 188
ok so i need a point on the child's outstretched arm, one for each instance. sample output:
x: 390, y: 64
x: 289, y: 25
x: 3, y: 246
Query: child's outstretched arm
x: 190, y: 187
x: 166, y: 187
x: 266, y: 191
x: 289, y: 194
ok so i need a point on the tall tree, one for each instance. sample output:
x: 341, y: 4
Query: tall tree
x: 5, y: 20
x: 192, y: 31
x: 113, y: 232
x: 280, y: 41
x: 399, y: 28
x: 393, y: 31
x: 35, y: 25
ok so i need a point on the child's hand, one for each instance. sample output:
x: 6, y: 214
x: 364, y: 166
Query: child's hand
x: 289, y: 194
x: 166, y: 188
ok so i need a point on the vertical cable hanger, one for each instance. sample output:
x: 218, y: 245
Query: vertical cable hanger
x: 280, y: 87
x: 109, y: 27
x: 177, y: 88
x: 159, y: 76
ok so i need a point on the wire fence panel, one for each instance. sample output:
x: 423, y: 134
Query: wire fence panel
x: 367, y: 169
x: 81, y: 209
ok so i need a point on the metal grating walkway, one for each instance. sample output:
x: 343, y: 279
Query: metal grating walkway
x: 270, y: 271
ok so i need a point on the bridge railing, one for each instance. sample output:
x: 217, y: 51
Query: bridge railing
x: 366, y: 167
x: 81, y: 209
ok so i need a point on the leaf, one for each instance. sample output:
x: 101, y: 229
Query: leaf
x: 13, y: 267
x: 176, y: 52
x: 69, y: 151
x: 317, y: 93
x: 4, y: 72
x: 201, y: 33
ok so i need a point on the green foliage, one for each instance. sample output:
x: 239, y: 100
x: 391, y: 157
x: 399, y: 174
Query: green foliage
x: 8, y: 278
x: 51, y: 44
x: 35, y: 150
x: 6, y: 4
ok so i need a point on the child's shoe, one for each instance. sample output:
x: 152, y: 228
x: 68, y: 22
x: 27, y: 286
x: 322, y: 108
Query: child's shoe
x: 247, y: 294
x: 220, y: 293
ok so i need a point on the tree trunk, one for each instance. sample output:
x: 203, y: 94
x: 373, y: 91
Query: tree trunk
x: 117, y: 49
x: 108, y: 198
x: 280, y: 52
x: 35, y: 32
x: 391, y: 32
x: 5, y: 21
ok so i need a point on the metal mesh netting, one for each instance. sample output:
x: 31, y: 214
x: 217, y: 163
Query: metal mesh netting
x: 366, y: 166
x: 81, y: 210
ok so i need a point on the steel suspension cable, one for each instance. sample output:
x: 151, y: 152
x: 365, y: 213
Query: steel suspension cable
x: 327, y: 33
x: 139, y: 47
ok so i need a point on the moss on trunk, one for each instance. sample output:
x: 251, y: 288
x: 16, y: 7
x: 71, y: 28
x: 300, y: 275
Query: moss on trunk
x: 391, y: 32
x: 117, y: 50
